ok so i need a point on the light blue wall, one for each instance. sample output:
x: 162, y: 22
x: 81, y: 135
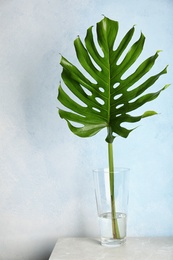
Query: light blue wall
x: 46, y: 180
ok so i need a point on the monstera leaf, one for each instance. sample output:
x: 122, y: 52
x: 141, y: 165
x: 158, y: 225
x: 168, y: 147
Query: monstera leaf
x: 103, y: 96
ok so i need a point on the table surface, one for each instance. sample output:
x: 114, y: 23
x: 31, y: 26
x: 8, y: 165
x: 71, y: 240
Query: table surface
x: 160, y: 248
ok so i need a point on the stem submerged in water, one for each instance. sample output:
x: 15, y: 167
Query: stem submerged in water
x: 115, y: 228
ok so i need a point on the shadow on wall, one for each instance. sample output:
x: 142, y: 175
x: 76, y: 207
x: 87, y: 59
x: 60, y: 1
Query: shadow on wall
x: 44, y: 252
x: 28, y: 249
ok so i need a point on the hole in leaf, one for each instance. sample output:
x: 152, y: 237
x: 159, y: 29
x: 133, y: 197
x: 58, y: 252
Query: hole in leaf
x: 101, y: 89
x: 121, y: 58
x: 137, y: 84
x: 116, y: 85
x: 73, y: 96
x: 88, y: 92
x: 95, y: 64
x: 121, y: 105
x: 127, y: 73
x: 99, y: 49
x: 132, y: 100
x: 96, y: 109
x: 100, y: 101
x: 117, y: 96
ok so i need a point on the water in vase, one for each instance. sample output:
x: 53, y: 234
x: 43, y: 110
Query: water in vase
x: 106, y: 229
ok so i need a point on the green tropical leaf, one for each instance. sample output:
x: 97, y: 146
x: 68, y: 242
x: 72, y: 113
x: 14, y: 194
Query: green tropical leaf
x: 102, y: 96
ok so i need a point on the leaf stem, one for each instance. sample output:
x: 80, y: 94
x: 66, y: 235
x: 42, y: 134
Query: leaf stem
x: 115, y: 228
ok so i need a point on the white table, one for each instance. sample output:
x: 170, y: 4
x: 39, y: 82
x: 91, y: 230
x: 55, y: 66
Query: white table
x: 134, y: 249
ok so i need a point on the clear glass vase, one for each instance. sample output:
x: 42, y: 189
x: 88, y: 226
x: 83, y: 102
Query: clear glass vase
x: 112, y: 202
